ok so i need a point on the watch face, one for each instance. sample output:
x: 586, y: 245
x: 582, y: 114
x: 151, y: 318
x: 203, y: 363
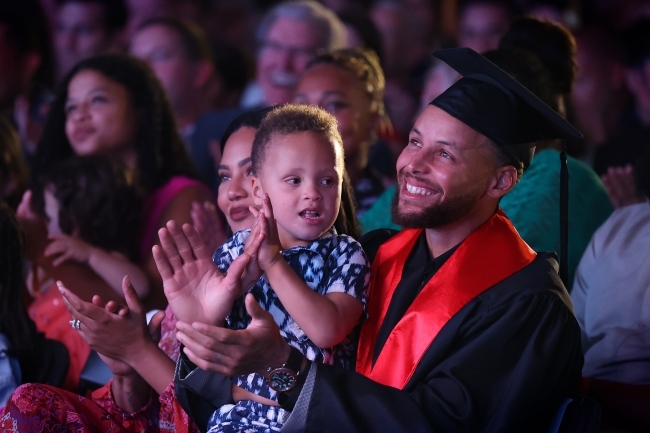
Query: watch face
x: 282, y: 379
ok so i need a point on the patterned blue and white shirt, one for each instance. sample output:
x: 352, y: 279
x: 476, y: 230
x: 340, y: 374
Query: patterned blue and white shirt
x: 332, y: 264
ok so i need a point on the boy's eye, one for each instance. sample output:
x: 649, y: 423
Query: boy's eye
x: 328, y: 182
x: 414, y: 142
x: 293, y: 181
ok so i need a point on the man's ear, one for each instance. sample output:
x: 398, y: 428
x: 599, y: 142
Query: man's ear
x: 258, y: 192
x: 505, y: 178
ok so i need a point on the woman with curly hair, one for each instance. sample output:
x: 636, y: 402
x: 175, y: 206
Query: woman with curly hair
x: 113, y: 106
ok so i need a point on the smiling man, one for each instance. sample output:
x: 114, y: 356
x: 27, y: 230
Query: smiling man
x: 468, y: 328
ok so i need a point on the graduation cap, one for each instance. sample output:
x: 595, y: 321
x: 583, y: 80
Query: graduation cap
x: 494, y: 104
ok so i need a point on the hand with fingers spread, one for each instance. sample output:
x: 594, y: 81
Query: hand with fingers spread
x: 66, y: 247
x: 233, y: 352
x: 208, y: 225
x: 194, y: 287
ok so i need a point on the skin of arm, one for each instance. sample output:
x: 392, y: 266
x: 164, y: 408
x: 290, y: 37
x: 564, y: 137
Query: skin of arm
x: 110, y: 266
x: 77, y: 277
x: 179, y: 209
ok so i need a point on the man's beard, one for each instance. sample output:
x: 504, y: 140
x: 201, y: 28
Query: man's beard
x: 437, y: 214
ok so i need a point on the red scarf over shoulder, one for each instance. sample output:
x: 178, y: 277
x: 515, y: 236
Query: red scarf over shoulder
x: 492, y: 253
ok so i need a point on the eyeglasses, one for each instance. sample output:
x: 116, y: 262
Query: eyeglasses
x: 278, y: 48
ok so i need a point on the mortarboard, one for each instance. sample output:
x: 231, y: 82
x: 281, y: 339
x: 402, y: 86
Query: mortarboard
x: 493, y: 103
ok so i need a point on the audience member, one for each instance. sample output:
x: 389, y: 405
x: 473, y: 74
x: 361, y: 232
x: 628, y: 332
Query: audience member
x: 533, y: 204
x: 180, y: 55
x: 14, y: 174
x: 312, y: 279
x: 600, y: 96
x: 87, y: 28
x: 114, y: 106
x: 138, y: 361
x: 611, y: 287
x: 290, y: 35
x: 26, y: 69
x: 482, y: 23
x: 32, y: 358
x: 399, y: 27
x: 92, y: 213
x: 349, y: 83
x: 629, y: 146
x: 361, y: 32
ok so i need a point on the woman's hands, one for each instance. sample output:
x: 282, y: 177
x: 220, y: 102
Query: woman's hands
x: 118, y: 333
x: 621, y: 186
x: 66, y: 247
x: 194, y: 287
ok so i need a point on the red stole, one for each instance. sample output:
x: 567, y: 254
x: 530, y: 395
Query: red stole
x: 492, y: 253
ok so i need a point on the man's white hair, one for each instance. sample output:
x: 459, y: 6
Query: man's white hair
x: 322, y: 18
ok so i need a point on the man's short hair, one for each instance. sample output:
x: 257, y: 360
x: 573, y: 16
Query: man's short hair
x: 291, y: 119
x: 194, y: 40
x: 115, y: 13
x: 504, y: 159
x: 310, y: 11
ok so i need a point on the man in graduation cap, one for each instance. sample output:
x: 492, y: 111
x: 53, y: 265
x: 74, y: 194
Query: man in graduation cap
x: 468, y: 329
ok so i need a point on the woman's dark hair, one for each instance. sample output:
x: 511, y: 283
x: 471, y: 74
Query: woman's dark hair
x: 161, y: 153
x: 552, y: 43
x: 251, y: 119
x: 12, y: 163
x: 97, y: 202
x: 15, y: 323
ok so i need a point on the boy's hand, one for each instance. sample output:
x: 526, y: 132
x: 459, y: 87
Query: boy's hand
x: 252, y: 246
x: 270, y: 250
x: 67, y: 248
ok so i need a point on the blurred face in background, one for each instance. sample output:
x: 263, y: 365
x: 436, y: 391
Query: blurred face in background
x: 342, y: 94
x: 161, y: 47
x: 80, y: 33
x: 100, y: 117
x: 287, y: 48
x: 481, y: 26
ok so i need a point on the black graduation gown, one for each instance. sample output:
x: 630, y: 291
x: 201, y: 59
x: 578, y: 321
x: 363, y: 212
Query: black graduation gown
x: 502, y: 364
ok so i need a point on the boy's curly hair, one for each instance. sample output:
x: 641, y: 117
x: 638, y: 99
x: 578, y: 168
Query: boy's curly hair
x: 97, y: 202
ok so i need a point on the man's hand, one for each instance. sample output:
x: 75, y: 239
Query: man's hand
x: 194, y: 287
x: 229, y: 352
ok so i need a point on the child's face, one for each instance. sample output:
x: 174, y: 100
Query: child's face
x: 52, y: 212
x: 235, y: 195
x: 302, y: 176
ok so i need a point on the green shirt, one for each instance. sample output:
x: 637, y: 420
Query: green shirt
x: 533, y: 205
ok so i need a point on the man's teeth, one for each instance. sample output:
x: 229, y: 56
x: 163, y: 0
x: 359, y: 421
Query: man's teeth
x: 417, y: 190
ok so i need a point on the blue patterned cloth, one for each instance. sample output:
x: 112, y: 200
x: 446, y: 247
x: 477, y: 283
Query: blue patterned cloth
x: 332, y: 264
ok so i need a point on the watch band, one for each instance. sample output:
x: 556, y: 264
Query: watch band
x: 295, y: 360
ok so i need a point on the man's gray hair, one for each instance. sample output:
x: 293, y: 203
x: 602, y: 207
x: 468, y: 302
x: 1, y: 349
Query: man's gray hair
x: 332, y: 28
